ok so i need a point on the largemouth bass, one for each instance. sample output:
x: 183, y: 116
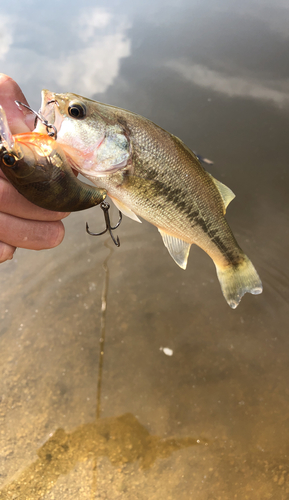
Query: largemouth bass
x: 150, y: 173
x: 38, y: 168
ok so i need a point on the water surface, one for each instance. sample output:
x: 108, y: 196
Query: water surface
x: 91, y: 406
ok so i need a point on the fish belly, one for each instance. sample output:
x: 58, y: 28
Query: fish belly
x: 173, y: 213
x: 182, y: 224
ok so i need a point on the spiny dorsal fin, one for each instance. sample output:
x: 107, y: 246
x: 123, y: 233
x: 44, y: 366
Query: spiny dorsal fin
x: 178, y: 249
x: 226, y: 193
x: 125, y: 210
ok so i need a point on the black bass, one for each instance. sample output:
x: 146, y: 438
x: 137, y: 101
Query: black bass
x: 151, y: 173
x: 38, y: 168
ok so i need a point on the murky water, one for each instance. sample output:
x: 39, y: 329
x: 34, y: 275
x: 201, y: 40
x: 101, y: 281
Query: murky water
x: 91, y: 406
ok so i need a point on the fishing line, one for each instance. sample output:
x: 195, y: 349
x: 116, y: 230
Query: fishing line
x: 39, y: 116
x: 102, y: 328
x: 103, y: 310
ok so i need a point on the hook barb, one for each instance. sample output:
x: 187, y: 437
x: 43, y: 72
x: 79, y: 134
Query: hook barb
x: 105, y: 208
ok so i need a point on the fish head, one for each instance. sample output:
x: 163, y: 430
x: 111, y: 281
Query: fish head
x: 73, y: 118
x: 87, y: 130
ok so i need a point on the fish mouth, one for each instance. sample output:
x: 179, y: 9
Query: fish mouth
x: 48, y: 103
x: 49, y: 110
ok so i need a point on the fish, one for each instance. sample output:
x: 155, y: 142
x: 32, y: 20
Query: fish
x: 150, y: 173
x: 37, y: 167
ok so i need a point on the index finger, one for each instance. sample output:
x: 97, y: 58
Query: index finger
x: 9, y: 92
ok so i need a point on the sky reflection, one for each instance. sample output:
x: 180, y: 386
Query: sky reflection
x: 214, y: 73
x: 71, y: 48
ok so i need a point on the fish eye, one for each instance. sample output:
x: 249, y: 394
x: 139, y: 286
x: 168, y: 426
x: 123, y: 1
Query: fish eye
x: 9, y: 160
x: 77, y: 111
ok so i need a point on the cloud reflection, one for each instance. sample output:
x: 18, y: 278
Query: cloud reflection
x: 92, y: 68
x: 6, y: 38
x: 86, y: 61
x: 231, y: 86
x: 97, y: 18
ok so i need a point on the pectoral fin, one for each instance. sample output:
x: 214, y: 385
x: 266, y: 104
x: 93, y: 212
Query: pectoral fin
x: 178, y: 249
x: 125, y: 210
x: 226, y: 193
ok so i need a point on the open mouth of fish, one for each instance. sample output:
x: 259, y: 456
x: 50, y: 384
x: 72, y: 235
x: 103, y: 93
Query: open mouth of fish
x: 49, y: 111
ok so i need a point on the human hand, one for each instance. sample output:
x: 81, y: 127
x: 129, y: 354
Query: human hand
x: 22, y: 224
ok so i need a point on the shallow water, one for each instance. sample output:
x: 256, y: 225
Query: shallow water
x: 90, y: 404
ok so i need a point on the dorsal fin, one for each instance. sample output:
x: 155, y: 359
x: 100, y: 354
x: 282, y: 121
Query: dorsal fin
x: 226, y: 193
x: 178, y: 249
x: 125, y: 210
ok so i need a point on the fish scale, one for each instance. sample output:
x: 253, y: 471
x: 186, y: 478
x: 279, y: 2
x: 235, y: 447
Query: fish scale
x: 179, y: 198
x: 154, y: 175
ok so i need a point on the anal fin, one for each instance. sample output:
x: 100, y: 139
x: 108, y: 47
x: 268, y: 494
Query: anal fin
x: 178, y: 249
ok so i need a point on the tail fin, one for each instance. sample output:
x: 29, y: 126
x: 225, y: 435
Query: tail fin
x: 235, y: 281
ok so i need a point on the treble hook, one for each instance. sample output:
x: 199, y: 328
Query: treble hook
x: 41, y: 118
x: 105, y: 207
